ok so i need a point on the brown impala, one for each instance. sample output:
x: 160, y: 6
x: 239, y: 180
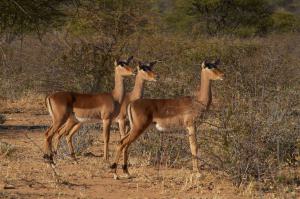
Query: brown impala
x: 144, y: 73
x: 71, y: 109
x: 169, y: 113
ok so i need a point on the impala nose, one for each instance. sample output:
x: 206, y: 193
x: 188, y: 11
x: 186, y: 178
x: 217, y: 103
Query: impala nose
x: 129, y: 70
x: 222, y: 76
x: 155, y: 77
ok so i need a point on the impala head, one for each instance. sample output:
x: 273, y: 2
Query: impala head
x: 122, y: 67
x: 145, y: 71
x: 211, y: 70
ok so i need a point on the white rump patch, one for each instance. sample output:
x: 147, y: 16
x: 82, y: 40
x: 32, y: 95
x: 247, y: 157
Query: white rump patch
x: 160, y: 128
x: 49, y: 107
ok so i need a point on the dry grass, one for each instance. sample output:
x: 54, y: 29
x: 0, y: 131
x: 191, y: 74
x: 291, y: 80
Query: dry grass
x: 2, y: 119
x: 6, y: 149
x: 255, y: 132
x: 30, y: 103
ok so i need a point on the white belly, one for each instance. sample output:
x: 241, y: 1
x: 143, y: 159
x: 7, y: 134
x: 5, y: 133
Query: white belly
x: 160, y: 128
x: 170, y: 125
x: 87, y: 119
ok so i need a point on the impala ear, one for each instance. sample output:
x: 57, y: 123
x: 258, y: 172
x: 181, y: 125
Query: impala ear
x: 203, y: 65
x: 152, y: 64
x: 139, y: 65
x: 129, y: 59
x: 217, y: 62
x: 115, y: 63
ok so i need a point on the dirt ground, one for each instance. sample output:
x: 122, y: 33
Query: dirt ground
x: 24, y: 174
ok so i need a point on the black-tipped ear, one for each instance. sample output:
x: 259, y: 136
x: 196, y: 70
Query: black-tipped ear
x: 217, y: 62
x: 139, y: 65
x: 152, y: 64
x: 129, y: 59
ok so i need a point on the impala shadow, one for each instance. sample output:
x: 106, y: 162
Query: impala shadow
x: 22, y: 127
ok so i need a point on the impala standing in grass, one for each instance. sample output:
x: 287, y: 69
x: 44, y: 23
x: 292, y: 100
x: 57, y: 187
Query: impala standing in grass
x: 71, y: 109
x: 144, y: 73
x: 169, y: 113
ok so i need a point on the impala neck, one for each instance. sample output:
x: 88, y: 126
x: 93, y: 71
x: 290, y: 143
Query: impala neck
x: 138, y: 88
x: 204, y: 95
x: 118, y: 92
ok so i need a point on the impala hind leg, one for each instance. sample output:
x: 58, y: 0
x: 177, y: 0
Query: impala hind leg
x: 69, y: 137
x: 48, y: 142
x: 193, y: 146
x: 57, y: 137
x: 63, y: 131
x: 46, y: 151
x: 125, y: 161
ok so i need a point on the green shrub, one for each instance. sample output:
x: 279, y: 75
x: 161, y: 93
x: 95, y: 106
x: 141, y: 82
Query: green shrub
x: 285, y: 22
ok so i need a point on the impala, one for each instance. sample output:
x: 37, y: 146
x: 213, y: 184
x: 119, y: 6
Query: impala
x: 71, y: 109
x: 169, y: 113
x: 144, y: 73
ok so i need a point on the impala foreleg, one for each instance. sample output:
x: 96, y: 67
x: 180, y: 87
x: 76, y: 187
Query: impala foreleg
x: 106, y: 135
x: 193, y: 146
x: 122, y: 127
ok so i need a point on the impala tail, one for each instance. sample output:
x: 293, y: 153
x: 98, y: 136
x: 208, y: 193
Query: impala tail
x: 129, y: 113
x: 49, y: 107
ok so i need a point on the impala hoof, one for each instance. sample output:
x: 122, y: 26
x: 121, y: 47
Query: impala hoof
x: 113, y: 166
x: 74, y: 161
x: 73, y: 157
x: 116, y: 177
x: 197, y: 175
x: 48, y: 158
x: 127, y: 176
